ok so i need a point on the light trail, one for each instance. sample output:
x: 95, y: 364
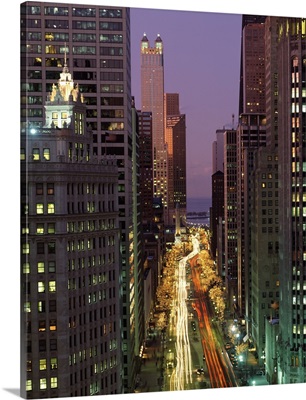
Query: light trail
x: 182, y: 376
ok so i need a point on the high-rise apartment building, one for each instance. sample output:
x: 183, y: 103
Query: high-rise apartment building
x: 175, y: 138
x: 262, y: 265
x: 252, y: 78
x: 152, y: 100
x: 230, y: 215
x: 251, y: 135
x: 96, y: 42
x: 291, y: 340
x: 146, y: 166
x: 217, y: 209
x: 70, y: 315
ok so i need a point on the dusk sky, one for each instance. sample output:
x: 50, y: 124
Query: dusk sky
x: 202, y: 64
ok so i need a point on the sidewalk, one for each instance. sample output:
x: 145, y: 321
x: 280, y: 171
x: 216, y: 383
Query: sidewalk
x: 150, y: 377
x: 248, y: 371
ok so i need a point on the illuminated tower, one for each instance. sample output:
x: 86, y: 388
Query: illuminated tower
x: 152, y: 100
x: 94, y: 40
x: 291, y: 340
x: 70, y: 319
x: 175, y: 137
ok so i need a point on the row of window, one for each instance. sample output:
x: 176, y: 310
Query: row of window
x: 76, y: 11
x: 93, y: 352
x: 40, y: 248
x: 60, y: 49
x: 43, y: 383
x: 84, y: 88
x: 44, y: 364
x: 91, y: 207
x: 77, y: 37
x: 93, y: 261
x: 41, y: 305
x: 77, y: 63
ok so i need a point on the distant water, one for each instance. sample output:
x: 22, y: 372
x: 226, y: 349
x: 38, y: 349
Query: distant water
x: 198, y: 204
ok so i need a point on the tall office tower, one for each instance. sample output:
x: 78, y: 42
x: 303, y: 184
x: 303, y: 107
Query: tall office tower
x: 230, y: 215
x: 152, y: 100
x: 146, y: 166
x: 217, y: 209
x: 251, y: 135
x: 70, y: 318
x: 263, y: 262
x: 138, y: 248
x: 291, y: 356
x: 175, y: 138
x: 252, y: 85
x: 96, y: 40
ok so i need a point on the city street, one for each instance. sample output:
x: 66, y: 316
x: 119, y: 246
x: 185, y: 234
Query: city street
x: 191, y: 353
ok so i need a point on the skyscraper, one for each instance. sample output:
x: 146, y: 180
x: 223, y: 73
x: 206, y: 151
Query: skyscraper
x: 251, y: 134
x: 175, y: 138
x: 70, y: 316
x: 96, y: 41
x: 291, y: 340
x: 152, y: 100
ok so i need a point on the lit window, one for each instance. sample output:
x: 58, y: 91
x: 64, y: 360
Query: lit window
x: 42, y: 364
x: 39, y: 208
x: 39, y: 229
x: 43, y: 383
x: 25, y: 248
x: 52, y: 286
x: 53, y: 381
x: 28, y: 385
x: 26, y: 268
x: 40, y: 267
x: 41, y: 326
x: 41, y: 306
x: 22, y: 154
x: 35, y: 154
x: 27, y: 306
x: 52, y: 325
x: 46, y: 154
x: 53, y: 363
x: 51, y: 208
x: 41, y: 287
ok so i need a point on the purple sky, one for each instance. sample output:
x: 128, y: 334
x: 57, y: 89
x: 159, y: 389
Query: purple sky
x: 202, y: 64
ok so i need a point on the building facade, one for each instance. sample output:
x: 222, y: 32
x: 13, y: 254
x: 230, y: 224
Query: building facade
x: 175, y: 138
x: 96, y: 42
x: 70, y: 266
x: 291, y: 355
x: 152, y: 100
